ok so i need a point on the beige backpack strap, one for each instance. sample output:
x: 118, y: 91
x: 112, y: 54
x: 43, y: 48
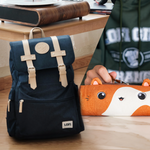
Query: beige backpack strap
x: 61, y: 66
x: 28, y: 58
x: 31, y: 32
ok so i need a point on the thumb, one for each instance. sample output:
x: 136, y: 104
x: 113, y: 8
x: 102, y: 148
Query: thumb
x: 113, y: 74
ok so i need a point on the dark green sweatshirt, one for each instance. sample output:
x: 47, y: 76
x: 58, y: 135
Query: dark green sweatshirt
x: 124, y: 46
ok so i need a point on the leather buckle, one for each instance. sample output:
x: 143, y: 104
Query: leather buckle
x: 62, y: 69
x: 31, y: 71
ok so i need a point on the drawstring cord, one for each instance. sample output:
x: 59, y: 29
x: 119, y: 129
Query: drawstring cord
x: 139, y: 25
x: 120, y: 44
x: 139, y: 43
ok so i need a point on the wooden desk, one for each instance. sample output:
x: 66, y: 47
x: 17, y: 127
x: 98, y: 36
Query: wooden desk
x: 15, y: 32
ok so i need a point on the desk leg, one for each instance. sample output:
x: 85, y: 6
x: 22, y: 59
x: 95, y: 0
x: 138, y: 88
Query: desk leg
x: 26, y: 37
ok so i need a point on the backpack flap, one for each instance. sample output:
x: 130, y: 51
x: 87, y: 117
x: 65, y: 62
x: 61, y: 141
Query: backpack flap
x: 32, y: 55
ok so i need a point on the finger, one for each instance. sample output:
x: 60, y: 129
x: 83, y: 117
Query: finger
x: 103, y: 73
x: 90, y: 75
x: 113, y: 74
x: 87, y: 81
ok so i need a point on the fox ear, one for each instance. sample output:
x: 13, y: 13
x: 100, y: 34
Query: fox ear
x: 146, y: 82
x: 96, y: 81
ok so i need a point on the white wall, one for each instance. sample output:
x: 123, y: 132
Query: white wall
x: 4, y: 58
x: 85, y: 43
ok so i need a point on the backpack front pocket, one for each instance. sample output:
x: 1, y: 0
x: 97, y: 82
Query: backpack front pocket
x: 47, y: 118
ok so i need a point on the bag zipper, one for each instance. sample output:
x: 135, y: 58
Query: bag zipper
x: 8, y: 105
x: 22, y: 101
x: 20, y: 105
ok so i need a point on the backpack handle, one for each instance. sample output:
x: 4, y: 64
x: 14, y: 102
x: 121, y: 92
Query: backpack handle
x: 31, y: 32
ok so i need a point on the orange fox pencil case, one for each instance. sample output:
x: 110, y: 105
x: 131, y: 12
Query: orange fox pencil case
x: 115, y: 99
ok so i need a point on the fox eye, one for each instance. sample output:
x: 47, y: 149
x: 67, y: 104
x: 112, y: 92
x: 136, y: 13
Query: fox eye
x: 101, y: 95
x: 141, y: 96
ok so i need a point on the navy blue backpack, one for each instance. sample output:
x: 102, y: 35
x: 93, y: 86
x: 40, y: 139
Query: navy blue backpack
x: 43, y: 101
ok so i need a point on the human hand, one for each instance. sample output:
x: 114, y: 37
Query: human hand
x: 100, y: 72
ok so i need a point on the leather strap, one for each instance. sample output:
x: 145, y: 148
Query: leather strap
x: 31, y: 69
x: 8, y: 105
x: 61, y: 66
x: 28, y: 57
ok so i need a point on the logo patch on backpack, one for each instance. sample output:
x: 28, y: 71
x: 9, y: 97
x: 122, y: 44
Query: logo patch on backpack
x: 67, y: 124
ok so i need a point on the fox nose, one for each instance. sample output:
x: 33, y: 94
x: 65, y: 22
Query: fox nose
x: 121, y: 98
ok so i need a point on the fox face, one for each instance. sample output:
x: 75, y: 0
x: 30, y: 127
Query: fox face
x: 115, y: 99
